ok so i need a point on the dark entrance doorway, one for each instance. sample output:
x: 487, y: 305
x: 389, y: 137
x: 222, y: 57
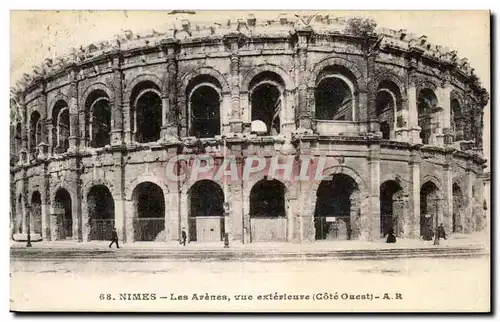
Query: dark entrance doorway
x: 149, y: 204
x: 206, y: 212
x: 268, y: 220
x: 458, y: 205
x: 389, y: 217
x: 332, y: 215
x: 36, y: 213
x: 429, y: 207
x: 63, y: 211
x: 101, y: 208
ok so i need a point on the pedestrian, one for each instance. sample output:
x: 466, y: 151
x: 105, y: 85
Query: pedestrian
x: 441, y: 231
x: 391, y: 237
x: 114, y: 238
x: 183, y: 237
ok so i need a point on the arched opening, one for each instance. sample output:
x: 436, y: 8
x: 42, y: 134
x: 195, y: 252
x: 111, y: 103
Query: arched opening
x: 149, y: 204
x: 267, y: 211
x: 334, y: 206
x: 458, y: 206
x: 334, y: 99
x: 146, y: 116
x: 99, y: 124
x: 206, y: 212
x: 391, y: 211
x: 18, y: 138
x: 101, y: 208
x: 266, y: 100
x: 429, y: 209
x: 63, y: 211
x: 457, y: 120
x: 427, y: 113
x: 35, y: 131
x: 204, y: 99
x: 388, y: 102
x: 36, y: 213
x: 60, y: 129
x: 19, y: 215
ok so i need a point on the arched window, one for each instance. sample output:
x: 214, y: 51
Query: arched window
x: 335, y: 94
x: 334, y: 100
x: 457, y: 120
x: 146, y: 116
x: 266, y: 100
x: 99, y: 122
x: 427, y: 106
x: 204, y: 99
x: 35, y: 131
x: 388, y: 102
x: 60, y: 127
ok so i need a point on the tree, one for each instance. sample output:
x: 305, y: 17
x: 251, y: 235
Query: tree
x: 360, y: 27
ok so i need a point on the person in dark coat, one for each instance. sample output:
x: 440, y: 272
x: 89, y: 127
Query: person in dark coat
x: 391, y: 237
x: 441, y: 232
x: 183, y: 237
x: 114, y: 239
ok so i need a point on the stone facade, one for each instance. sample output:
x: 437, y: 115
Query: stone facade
x: 55, y: 147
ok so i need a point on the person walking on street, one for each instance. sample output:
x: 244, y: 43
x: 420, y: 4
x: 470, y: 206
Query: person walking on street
x: 441, y: 231
x: 183, y: 237
x: 114, y: 239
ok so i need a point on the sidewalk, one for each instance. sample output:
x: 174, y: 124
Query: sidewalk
x: 476, y: 240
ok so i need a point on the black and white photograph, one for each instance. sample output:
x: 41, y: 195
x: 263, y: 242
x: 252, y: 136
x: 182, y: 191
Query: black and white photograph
x: 250, y: 161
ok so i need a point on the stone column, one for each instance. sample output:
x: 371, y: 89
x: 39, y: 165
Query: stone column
x: 413, y: 127
x: 414, y: 194
x: 235, y: 121
x: 73, y: 113
x: 292, y: 205
x: 303, y: 110
x: 119, y: 194
x: 171, y: 108
x: 128, y: 229
x: 25, y: 201
x: 469, y: 183
x: 184, y: 213
x: 236, y: 208
x: 127, y: 127
x: 448, y: 193
x: 172, y: 218
x: 246, y: 186
x: 46, y: 206
x: 117, y: 108
x: 76, y: 210
x: 374, y: 165
x: 43, y: 146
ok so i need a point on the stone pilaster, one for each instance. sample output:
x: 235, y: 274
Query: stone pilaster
x: 469, y: 198
x: 235, y: 121
x: 117, y: 108
x: 374, y: 166
x: 414, y: 194
x: 73, y: 113
x: 413, y: 127
x: 119, y: 197
x: 172, y: 219
x: 46, y: 233
x: 447, y: 180
x: 235, y: 200
x: 171, y: 107
x: 303, y: 111
x: 128, y: 214
x: 127, y: 126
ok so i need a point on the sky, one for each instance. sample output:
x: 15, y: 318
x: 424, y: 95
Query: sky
x: 36, y: 35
